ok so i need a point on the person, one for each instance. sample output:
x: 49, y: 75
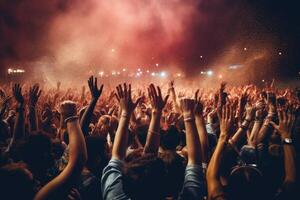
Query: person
x: 240, y: 142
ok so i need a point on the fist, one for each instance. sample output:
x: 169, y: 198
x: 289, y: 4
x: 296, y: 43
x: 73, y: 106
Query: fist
x: 68, y: 109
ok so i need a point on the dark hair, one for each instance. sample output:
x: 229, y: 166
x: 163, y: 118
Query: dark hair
x: 97, y: 154
x: 16, y: 182
x: 246, y: 182
x: 170, y: 139
x: 36, y: 153
x: 144, y: 178
x: 141, y: 133
x: 175, y: 167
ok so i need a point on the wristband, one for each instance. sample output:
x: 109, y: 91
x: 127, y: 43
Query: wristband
x: 189, y: 119
x: 70, y: 119
x: 124, y: 114
x: 154, y: 132
x: 244, y: 127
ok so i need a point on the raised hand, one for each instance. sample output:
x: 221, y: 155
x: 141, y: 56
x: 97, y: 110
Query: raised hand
x: 17, y: 93
x: 286, y: 122
x: 222, y: 95
x: 226, y: 120
x: 250, y: 112
x: 124, y: 98
x: 198, y: 104
x: 95, y: 92
x: 34, y: 94
x: 156, y: 99
x: 187, y: 106
x: 68, y: 109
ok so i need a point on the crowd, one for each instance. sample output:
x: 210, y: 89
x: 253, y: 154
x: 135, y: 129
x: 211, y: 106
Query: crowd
x: 234, y: 143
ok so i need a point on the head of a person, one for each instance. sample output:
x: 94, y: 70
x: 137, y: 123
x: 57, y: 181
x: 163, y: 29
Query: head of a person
x: 141, y: 133
x: 16, y: 182
x: 37, y: 153
x: 144, y: 178
x: 246, y: 182
x: 175, y: 167
x: 170, y: 138
x: 97, y: 150
x: 102, y: 127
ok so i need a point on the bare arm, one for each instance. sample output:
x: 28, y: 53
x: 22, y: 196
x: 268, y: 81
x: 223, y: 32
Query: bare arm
x: 192, y: 138
x: 127, y: 106
x: 241, y: 132
x: 172, y: 93
x: 200, y: 125
x: 77, y: 157
x: 34, y: 94
x: 286, y: 122
x: 19, y: 126
x: 87, y: 116
x: 158, y: 103
x: 214, y: 186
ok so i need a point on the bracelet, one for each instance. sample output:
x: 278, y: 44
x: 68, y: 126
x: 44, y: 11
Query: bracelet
x: 244, y: 127
x: 124, y: 114
x: 154, y: 132
x: 189, y: 119
x: 70, y: 119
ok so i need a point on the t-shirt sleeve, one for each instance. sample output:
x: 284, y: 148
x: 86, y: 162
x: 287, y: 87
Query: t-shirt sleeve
x: 111, y: 181
x: 194, y: 185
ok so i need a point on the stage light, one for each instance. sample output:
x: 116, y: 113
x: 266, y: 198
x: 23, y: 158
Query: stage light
x: 147, y: 71
x: 113, y: 73
x: 163, y: 74
x: 245, y: 49
x: 202, y: 72
x: 139, y: 69
x: 15, y: 71
x: 124, y: 70
x: 152, y: 74
x: 280, y: 53
x: 113, y: 50
x: 201, y: 56
x: 220, y: 76
x: 101, y: 73
x: 210, y: 73
x: 263, y: 80
x: 118, y: 73
x: 157, y: 64
x: 178, y: 75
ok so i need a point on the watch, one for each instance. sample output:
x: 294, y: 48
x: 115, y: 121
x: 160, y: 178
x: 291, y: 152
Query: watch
x: 287, y: 141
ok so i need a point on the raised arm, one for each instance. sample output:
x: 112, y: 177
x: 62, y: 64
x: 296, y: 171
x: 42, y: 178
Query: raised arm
x: 61, y: 185
x: 242, y: 130
x: 193, y: 185
x: 192, y: 138
x: 214, y: 186
x: 87, y: 116
x: 34, y: 94
x: 200, y: 124
x: 257, y: 123
x: 19, y: 126
x: 172, y: 93
x: 157, y: 105
x: 285, y: 127
x: 127, y: 106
